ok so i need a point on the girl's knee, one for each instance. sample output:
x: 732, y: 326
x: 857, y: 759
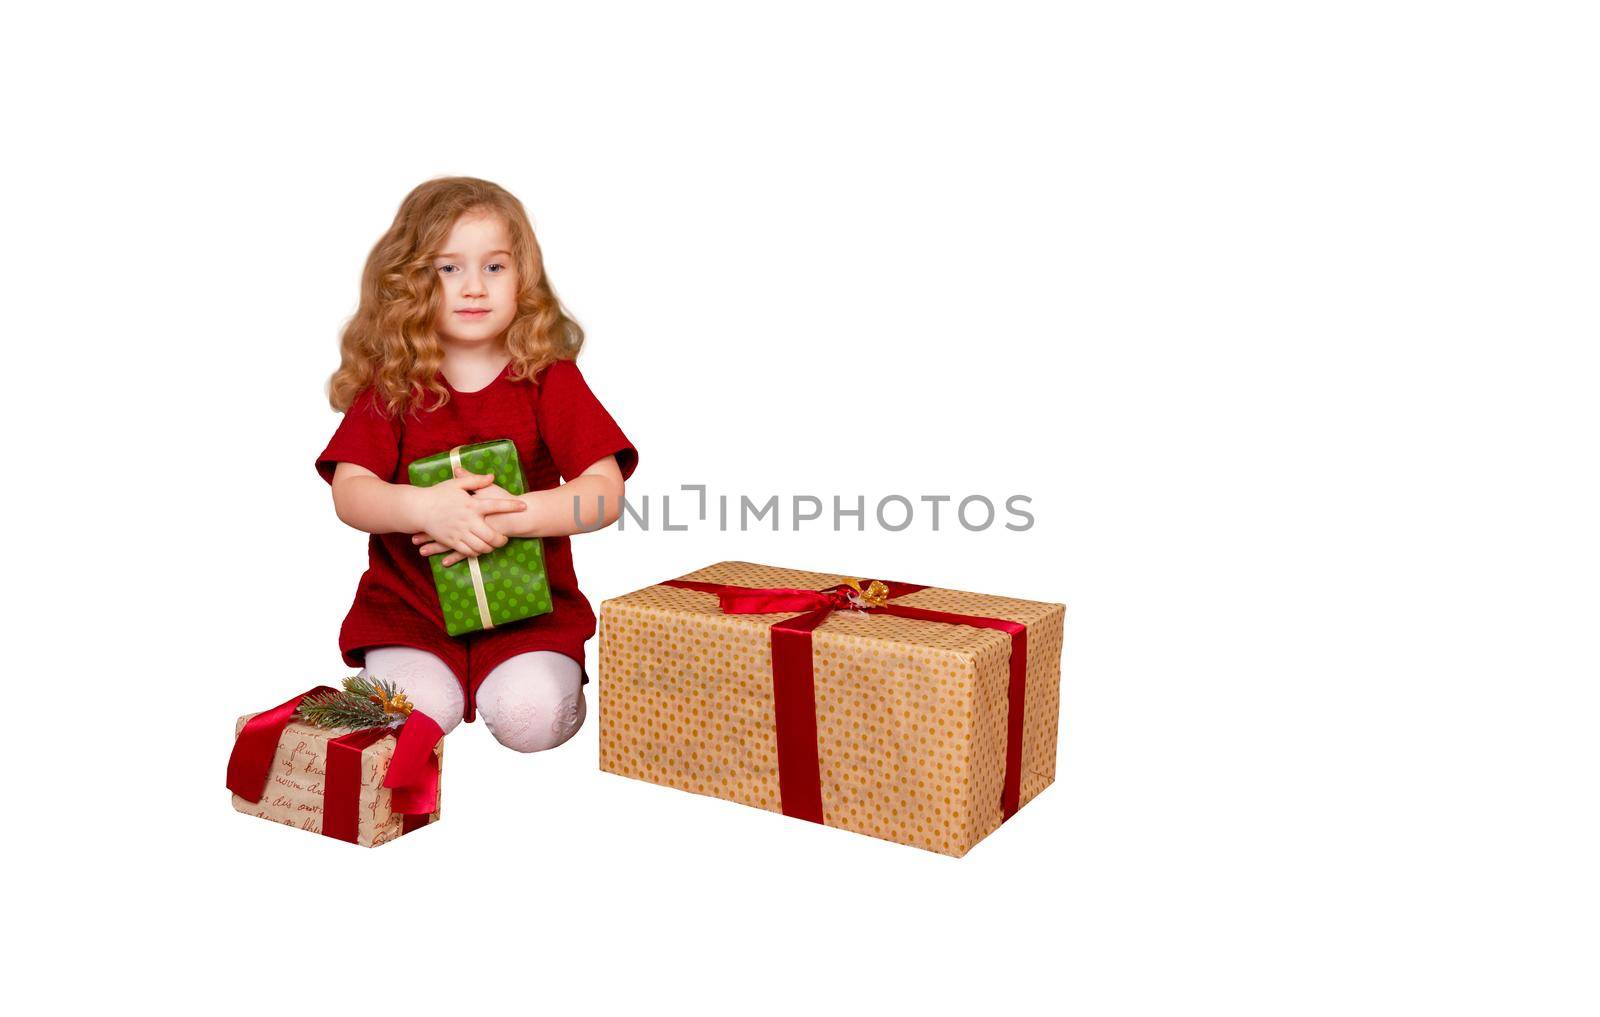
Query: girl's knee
x: 534, y: 701
x: 426, y: 680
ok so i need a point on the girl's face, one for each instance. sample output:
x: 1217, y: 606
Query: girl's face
x: 477, y: 280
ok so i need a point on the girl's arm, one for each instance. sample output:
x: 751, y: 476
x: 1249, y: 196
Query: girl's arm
x: 447, y: 511
x: 366, y: 501
x: 550, y: 513
x: 597, y: 492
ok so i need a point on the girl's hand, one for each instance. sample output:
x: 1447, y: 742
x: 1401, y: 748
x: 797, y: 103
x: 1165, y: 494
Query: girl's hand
x: 454, y: 518
x: 493, y: 490
x: 490, y: 492
x: 432, y: 547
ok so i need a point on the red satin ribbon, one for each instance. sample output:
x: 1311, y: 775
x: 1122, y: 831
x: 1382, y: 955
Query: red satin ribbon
x: 794, y: 689
x: 413, y: 777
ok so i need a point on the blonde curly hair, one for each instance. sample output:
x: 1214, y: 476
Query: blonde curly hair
x: 390, y: 343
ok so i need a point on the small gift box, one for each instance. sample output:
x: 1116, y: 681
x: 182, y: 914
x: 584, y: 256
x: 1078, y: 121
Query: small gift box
x: 910, y: 713
x: 363, y: 784
x: 508, y: 583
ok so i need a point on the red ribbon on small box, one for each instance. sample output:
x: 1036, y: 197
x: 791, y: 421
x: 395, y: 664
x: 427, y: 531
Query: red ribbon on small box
x: 413, y: 777
x: 793, y: 684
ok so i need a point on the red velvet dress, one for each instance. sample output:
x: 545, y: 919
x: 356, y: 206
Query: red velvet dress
x: 560, y: 430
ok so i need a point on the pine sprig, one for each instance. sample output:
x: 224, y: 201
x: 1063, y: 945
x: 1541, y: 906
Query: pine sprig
x: 362, y: 703
x: 359, y: 686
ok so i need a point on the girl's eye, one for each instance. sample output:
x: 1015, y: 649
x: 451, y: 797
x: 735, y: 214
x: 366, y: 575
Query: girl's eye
x: 499, y: 266
x: 445, y: 268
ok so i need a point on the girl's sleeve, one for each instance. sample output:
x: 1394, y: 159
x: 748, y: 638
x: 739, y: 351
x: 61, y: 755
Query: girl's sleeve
x: 575, y: 427
x: 365, y: 437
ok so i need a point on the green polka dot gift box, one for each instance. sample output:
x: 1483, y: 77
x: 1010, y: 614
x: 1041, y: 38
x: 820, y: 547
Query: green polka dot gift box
x: 505, y: 585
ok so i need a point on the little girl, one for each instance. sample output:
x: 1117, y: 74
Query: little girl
x: 460, y: 339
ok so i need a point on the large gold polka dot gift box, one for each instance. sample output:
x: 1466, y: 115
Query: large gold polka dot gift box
x: 910, y: 713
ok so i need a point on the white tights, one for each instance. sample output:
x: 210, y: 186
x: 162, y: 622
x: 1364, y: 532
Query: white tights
x: 530, y: 702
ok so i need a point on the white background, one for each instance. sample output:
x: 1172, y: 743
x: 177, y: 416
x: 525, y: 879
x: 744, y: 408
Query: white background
x: 1283, y: 315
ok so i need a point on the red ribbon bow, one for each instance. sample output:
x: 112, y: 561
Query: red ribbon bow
x: 794, y: 689
x: 413, y: 777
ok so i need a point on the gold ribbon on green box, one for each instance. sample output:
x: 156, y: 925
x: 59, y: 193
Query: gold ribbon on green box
x: 485, y: 619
